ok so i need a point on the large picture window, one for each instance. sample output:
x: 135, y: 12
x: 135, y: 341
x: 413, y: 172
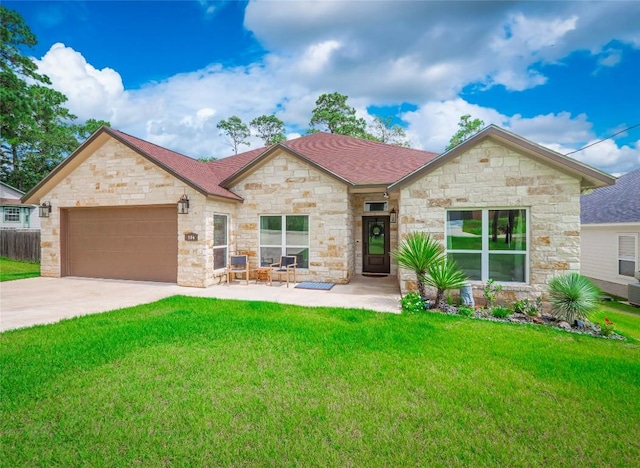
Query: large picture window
x: 284, y: 235
x: 220, y: 242
x: 490, y: 243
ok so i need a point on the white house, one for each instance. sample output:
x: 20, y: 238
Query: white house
x: 610, y: 218
x: 15, y: 214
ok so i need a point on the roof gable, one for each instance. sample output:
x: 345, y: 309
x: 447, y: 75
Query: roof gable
x: 194, y: 173
x: 619, y: 203
x: 351, y: 160
x: 589, y: 177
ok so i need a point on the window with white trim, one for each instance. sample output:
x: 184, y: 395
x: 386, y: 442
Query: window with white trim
x: 284, y: 235
x: 11, y: 214
x: 490, y: 243
x: 220, y: 241
x: 627, y: 254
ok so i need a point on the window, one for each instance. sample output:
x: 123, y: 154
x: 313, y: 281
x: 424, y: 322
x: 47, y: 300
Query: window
x: 489, y: 243
x: 11, y: 214
x: 284, y: 235
x: 220, y: 242
x: 627, y: 246
x: 375, y: 206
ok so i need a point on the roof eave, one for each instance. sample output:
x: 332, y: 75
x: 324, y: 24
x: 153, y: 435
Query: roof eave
x: 226, y: 183
x: 589, y: 177
x: 116, y: 136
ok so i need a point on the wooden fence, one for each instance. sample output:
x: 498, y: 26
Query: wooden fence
x: 20, y: 244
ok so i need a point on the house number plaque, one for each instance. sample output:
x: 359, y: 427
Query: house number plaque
x: 191, y: 236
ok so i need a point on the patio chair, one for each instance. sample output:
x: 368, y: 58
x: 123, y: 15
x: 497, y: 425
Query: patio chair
x: 238, y: 264
x: 286, y: 266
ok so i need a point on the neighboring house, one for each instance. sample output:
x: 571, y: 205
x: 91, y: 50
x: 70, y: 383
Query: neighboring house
x: 504, y: 207
x: 610, y: 219
x: 14, y: 214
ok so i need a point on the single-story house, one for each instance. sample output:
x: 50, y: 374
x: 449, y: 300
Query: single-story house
x: 15, y: 214
x: 610, y: 218
x: 504, y: 207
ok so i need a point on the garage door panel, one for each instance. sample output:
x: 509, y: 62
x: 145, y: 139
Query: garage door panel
x: 123, y: 243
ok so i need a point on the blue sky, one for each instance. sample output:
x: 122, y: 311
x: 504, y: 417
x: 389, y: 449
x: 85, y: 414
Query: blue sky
x: 563, y: 74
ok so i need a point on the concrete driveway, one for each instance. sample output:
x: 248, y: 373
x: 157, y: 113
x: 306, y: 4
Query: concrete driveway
x: 35, y: 301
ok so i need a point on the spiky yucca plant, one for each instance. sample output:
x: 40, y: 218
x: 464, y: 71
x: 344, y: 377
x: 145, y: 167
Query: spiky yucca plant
x: 572, y: 296
x: 417, y: 252
x: 444, y: 275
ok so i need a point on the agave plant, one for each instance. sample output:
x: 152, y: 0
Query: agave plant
x: 572, y: 296
x: 444, y: 275
x: 418, y: 252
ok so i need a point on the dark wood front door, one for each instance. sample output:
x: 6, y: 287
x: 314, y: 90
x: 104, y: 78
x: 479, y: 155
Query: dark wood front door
x: 375, y: 244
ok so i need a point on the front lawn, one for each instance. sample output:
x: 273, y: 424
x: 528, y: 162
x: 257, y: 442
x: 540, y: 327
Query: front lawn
x: 14, y: 269
x: 205, y: 382
x: 625, y: 317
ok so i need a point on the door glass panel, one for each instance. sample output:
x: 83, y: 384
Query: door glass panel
x: 376, y: 237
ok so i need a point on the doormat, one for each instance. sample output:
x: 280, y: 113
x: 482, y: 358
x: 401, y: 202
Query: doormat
x: 375, y: 275
x: 314, y: 285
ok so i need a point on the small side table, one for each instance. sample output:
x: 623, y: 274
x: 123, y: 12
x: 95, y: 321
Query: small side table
x: 263, y: 274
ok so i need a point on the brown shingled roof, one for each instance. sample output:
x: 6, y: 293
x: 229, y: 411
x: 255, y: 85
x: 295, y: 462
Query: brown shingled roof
x: 191, y: 170
x: 357, y: 162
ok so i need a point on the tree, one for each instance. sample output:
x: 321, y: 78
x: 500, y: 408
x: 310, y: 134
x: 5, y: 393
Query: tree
x: 419, y: 252
x: 207, y: 159
x: 334, y: 115
x: 36, y: 131
x: 467, y: 128
x: 384, y: 132
x: 236, y: 131
x: 269, y: 128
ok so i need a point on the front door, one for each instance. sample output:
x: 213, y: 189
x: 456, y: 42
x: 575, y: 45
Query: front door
x: 375, y: 237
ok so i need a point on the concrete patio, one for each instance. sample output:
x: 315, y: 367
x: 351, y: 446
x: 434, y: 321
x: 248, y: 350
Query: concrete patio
x: 36, y: 301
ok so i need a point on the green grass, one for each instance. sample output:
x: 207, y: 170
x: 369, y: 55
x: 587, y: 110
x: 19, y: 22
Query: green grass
x: 15, y: 270
x: 626, y: 318
x: 205, y: 382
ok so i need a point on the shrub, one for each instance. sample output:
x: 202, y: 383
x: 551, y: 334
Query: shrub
x: 607, y: 328
x: 490, y: 293
x: 572, y: 296
x: 526, y: 306
x: 466, y: 311
x: 417, y: 252
x: 443, y: 275
x: 412, y: 303
x: 501, y: 312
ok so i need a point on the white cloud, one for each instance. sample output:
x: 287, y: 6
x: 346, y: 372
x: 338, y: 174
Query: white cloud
x: 378, y: 54
x: 91, y: 92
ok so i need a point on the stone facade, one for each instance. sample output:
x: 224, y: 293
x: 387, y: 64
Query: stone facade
x: 114, y: 175
x: 287, y: 185
x: 491, y: 175
x: 488, y: 175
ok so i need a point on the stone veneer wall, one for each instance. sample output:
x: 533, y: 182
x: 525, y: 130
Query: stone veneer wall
x: 491, y: 175
x: 114, y: 175
x: 287, y: 185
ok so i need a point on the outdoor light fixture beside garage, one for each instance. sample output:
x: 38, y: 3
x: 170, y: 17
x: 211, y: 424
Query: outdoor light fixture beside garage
x: 183, y: 205
x: 44, y: 209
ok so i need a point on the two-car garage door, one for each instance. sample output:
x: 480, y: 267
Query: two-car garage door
x: 138, y: 243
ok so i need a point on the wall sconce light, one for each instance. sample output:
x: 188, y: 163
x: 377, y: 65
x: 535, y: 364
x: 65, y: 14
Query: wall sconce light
x: 44, y: 210
x: 385, y: 195
x: 393, y: 216
x: 183, y: 205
